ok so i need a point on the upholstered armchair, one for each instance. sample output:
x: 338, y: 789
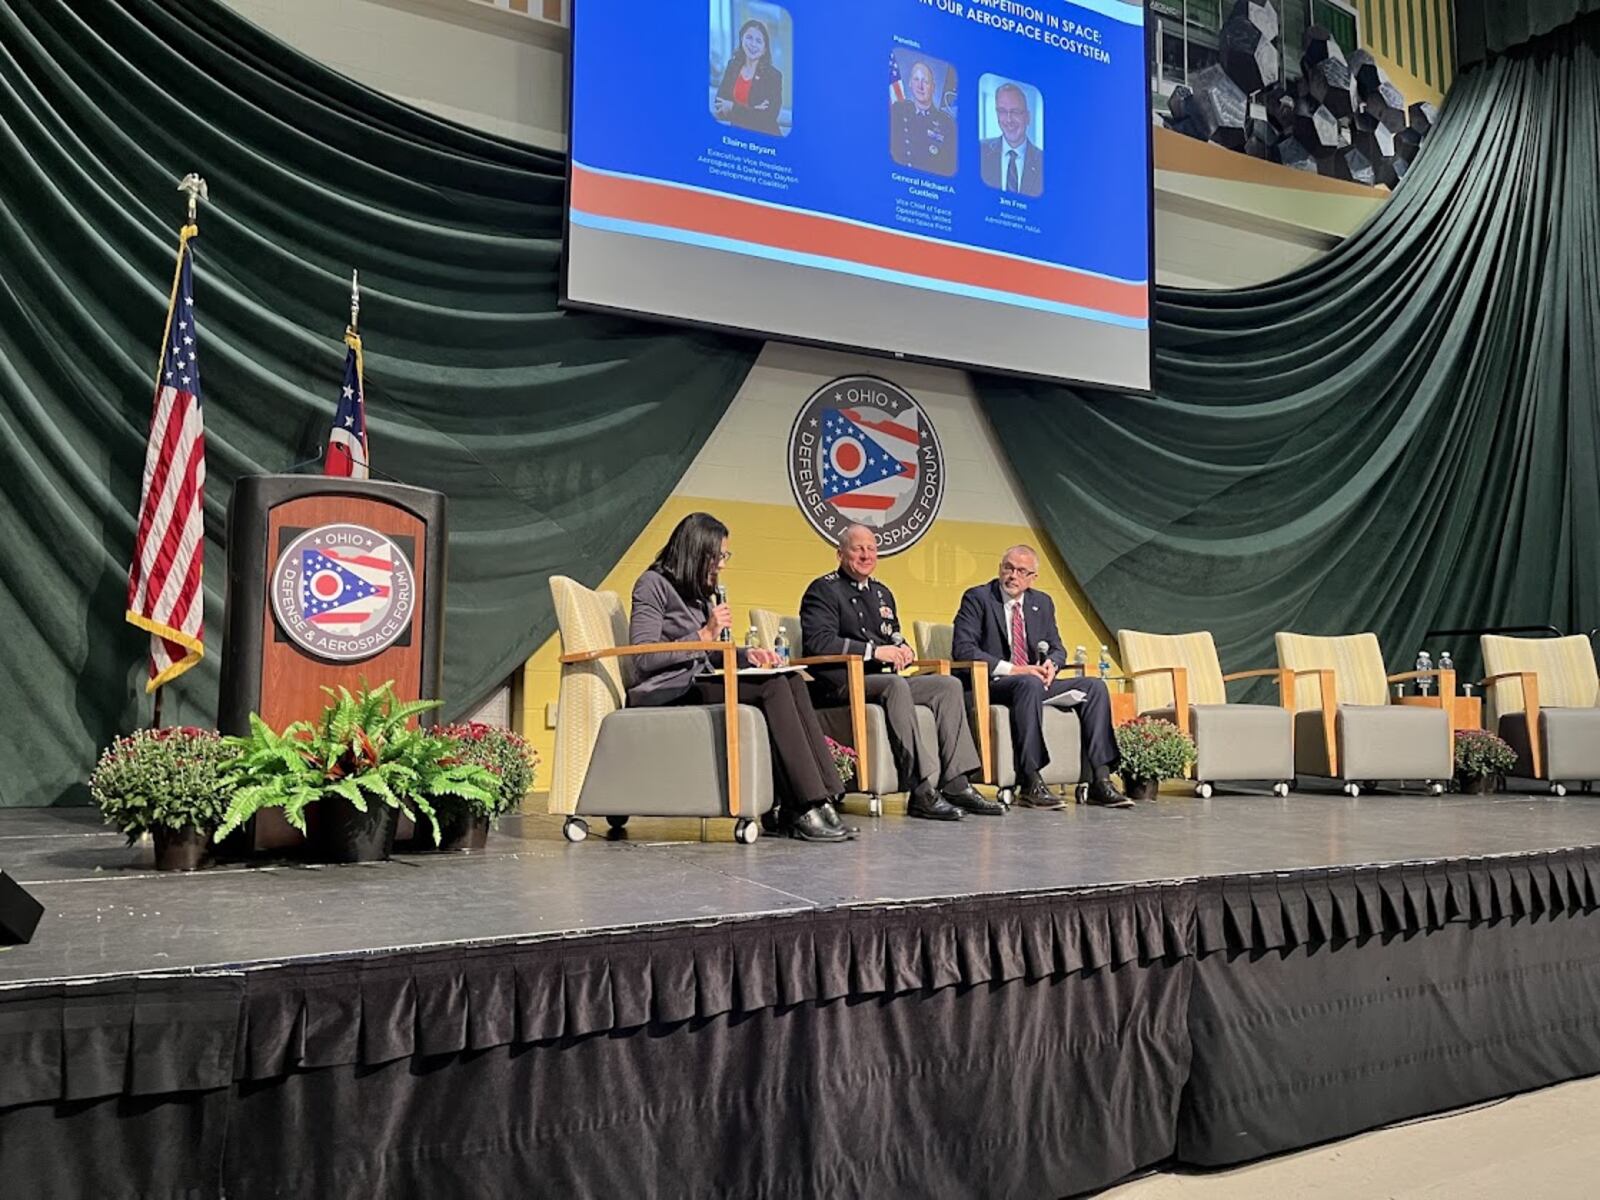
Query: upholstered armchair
x: 1178, y: 677
x: 1345, y: 727
x: 992, y: 722
x: 616, y: 762
x: 1544, y: 698
x: 856, y: 724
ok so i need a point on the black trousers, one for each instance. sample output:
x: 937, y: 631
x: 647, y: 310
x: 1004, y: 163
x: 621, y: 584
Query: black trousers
x: 803, y: 770
x: 1024, y: 696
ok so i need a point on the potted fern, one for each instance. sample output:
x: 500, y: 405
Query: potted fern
x: 363, y: 763
x: 170, y: 783
x: 1152, y: 750
x: 465, y: 821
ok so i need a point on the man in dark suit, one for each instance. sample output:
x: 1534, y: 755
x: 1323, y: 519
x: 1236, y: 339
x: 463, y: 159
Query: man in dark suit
x: 849, y: 612
x: 1011, y: 162
x: 921, y: 134
x: 1008, y: 625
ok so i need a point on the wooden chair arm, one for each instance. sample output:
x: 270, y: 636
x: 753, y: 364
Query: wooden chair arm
x: 1277, y: 673
x: 935, y: 666
x: 584, y: 656
x: 825, y: 660
x: 1330, y: 710
x: 1530, y: 711
x: 730, y: 695
x: 1180, y: 691
x: 1407, y: 676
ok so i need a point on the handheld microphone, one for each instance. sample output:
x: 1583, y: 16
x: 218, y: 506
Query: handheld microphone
x: 1043, y: 652
x: 726, y: 634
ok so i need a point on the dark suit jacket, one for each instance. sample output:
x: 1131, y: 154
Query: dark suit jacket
x: 765, y: 88
x: 837, y: 617
x: 993, y: 163
x: 660, y: 614
x: 981, y: 631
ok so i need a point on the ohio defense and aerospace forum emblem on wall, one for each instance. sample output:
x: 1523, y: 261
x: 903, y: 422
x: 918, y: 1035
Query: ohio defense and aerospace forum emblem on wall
x: 862, y: 451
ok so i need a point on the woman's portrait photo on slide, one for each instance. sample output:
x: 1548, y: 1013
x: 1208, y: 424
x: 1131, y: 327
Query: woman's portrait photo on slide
x: 751, y: 65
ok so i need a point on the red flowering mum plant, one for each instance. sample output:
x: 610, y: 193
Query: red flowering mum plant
x: 504, y: 754
x: 844, y: 758
x: 171, y: 779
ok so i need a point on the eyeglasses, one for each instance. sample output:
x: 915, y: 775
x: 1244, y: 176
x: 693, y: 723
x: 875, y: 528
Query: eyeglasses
x: 1012, y: 112
x: 1007, y: 568
x: 724, y: 558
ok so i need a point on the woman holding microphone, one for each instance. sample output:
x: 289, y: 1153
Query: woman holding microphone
x: 675, y: 600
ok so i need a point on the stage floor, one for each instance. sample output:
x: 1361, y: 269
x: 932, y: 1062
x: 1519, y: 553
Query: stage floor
x: 107, y: 913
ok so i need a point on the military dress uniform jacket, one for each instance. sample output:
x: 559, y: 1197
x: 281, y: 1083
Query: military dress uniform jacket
x: 925, y: 141
x: 840, y: 616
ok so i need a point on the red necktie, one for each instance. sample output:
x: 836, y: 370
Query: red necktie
x: 1019, y: 637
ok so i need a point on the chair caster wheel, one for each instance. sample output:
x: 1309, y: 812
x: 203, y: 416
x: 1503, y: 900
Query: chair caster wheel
x: 746, y: 832
x: 575, y: 829
x: 617, y: 823
x: 874, y: 806
x: 1558, y: 789
x: 1435, y: 788
x: 1005, y: 796
x: 1352, y: 790
x: 1203, y: 790
x: 1280, y: 790
x: 1080, y: 793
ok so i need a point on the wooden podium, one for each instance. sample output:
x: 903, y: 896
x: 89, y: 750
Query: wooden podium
x: 330, y: 581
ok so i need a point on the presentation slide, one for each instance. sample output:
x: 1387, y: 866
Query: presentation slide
x: 962, y: 181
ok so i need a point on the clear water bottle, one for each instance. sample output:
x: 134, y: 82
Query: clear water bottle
x: 1424, y: 663
x: 1081, y: 656
x: 1105, y: 661
x: 780, y: 646
x: 1446, y: 663
x: 752, y: 640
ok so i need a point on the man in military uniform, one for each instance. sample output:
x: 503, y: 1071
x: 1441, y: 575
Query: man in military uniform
x: 849, y: 612
x: 921, y: 134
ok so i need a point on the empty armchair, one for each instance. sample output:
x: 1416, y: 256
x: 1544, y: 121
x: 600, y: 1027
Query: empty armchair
x: 1345, y: 728
x: 617, y: 762
x: 992, y: 722
x: 1179, y: 678
x: 1544, y: 698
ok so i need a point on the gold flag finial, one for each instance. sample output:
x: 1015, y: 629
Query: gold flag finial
x: 196, y: 188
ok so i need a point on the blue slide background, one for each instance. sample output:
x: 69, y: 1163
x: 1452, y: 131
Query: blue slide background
x: 640, y: 106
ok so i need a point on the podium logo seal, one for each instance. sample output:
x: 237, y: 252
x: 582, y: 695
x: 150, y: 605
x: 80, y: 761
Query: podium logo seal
x: 862, y: 452
x: 343, y: 592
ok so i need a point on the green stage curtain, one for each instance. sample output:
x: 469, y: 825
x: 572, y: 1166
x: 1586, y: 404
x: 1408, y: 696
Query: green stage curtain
x: 1488, y: 27
x: 556, y: 436
x: 1402, y: 436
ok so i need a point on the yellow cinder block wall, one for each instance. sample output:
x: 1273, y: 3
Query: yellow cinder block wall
x: 741, y: 478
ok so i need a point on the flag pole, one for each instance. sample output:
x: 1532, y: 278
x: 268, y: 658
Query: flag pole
x: 352, y: 335
x: 194, y: 187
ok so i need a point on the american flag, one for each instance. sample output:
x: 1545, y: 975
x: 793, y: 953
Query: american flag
x: 867, y: 461
x: 347, y: 443
x: 164, y: 594
x: 897, y: 89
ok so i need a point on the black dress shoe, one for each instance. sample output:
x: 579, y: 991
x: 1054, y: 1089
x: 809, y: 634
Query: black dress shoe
x: 926, y: 803
x: 1104, y: 793
x: 1036, y: 795
x: 809, y: 826
x: 830, y: 818
x: 966, y: 797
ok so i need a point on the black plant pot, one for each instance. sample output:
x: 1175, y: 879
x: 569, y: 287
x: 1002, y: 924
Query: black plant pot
x: 1476, y: 785
x: 186, y: 849
x: 347, y: 835
x: 1142, y: 789
x: 460, y: 829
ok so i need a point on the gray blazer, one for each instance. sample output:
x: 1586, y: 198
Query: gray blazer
x: 660, y: 614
